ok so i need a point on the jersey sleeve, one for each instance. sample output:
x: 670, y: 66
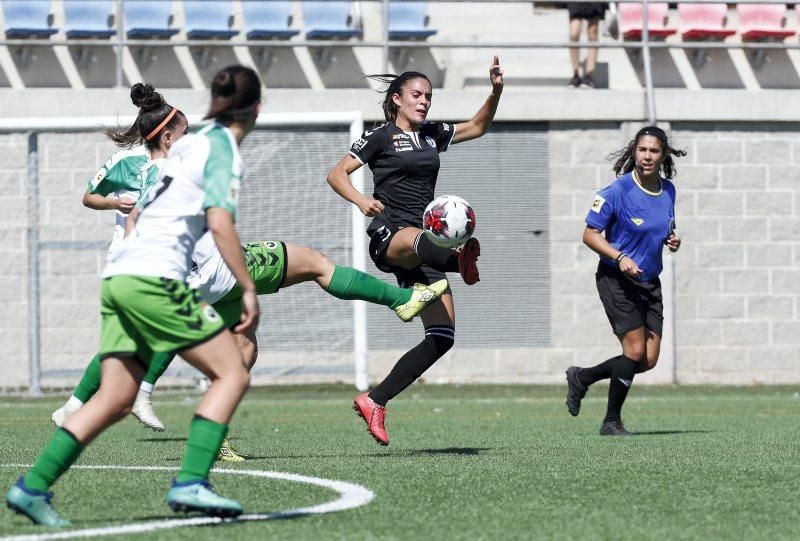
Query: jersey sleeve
x: 221, y: 181
x: 117, y: 173
x: 369, y: 145
x: 670, y: 188
x: 603, y: 209
x: 444, y: 134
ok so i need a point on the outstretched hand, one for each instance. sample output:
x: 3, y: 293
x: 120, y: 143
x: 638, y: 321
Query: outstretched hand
x: 496, y: 75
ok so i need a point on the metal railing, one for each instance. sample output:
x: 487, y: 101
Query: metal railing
x: 120, y: 41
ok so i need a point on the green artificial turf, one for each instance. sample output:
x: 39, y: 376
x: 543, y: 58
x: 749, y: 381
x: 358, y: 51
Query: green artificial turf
x: 474, y: 462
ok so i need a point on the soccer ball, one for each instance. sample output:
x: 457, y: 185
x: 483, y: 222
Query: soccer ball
x: 448, y: 221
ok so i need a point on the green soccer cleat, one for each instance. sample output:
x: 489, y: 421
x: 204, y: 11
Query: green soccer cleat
x: 421, y: 297
x: 33, y: 504
x: 200, y: 496
x: 228, y: 454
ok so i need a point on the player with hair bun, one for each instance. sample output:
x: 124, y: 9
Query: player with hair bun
x: 117, y: 186
x: 147, y: 308
x: 403, y: 155
x: 637, y: 213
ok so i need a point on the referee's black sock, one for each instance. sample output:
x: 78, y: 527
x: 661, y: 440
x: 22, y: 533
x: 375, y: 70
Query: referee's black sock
x: 621, y: 380
x: 441, y: 259
x: 438, y: 341
x: 593, y: 374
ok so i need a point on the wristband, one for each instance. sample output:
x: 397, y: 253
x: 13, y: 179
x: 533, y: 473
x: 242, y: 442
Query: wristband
x: 620, y: 257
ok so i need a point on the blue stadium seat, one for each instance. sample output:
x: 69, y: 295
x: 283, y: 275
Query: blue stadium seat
x: 88, y: 19
x: 145, y: 19
x: 265, y: 19
x: 328, y: 20
x: 409, y: 20
x: 208, y: 19
x: 28, y: 19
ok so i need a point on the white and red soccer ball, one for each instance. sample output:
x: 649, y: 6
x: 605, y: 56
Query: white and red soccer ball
x: 448, y: 221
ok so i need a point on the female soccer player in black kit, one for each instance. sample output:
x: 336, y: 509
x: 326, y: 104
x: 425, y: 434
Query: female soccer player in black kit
x: 403, y: 155
x: 637, y: 213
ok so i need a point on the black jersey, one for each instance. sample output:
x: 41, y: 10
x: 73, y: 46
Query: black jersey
x: 404, y: 168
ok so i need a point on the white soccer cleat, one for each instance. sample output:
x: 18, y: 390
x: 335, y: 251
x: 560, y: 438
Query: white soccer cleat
x: 60, y: 416
x: 143, y: 410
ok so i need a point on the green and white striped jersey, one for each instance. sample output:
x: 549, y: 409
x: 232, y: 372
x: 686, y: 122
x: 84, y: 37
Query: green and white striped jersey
x: 128, y: 173
x: 203, y: 170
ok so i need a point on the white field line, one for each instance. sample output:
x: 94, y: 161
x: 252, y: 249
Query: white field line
x: 350, y: 497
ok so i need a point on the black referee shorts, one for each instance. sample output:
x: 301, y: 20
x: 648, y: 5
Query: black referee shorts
x: 378, y: 244
x: 628, y: 303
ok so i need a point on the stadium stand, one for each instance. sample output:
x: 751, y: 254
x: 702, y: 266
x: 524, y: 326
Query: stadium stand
x: 329, y: 20
x: 28, y: 19
x: 208, y: 19
x: 268, y: 20
x: 760, y: 22
x: 409, y: 20
x: 630, y: 21
x: 89, y: 20
x: 704, y: 21
x: 148, y: 19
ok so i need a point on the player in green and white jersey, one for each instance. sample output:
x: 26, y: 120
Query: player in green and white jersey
x: 117, y: 186
x: 148, y: 309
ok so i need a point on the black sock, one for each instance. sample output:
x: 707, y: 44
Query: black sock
x: 442, y: 259
x: 438, y: 340
x: 593, y: 374
x: 621, y: 380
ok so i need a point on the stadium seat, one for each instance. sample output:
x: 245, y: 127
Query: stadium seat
x: 89, y: 20
x: 29, y: 19
x: 759, y: 22
x: 328, y: 20
x: 147, y: 19
x: 208, y: 19
x: 264, y: 19
x: 704, y: 21
x: 630, y: 20
x: 409, y: 20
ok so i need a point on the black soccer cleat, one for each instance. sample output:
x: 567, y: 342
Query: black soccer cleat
x: 613, y: 428
x: 575, y: 391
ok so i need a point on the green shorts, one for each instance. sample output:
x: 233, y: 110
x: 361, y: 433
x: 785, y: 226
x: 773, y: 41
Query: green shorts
x: 142, y: 316
x: 266, y: 261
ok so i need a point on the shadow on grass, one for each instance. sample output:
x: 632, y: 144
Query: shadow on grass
x: 461, y: 451
x: 669, y: 432
x: 155, y: 439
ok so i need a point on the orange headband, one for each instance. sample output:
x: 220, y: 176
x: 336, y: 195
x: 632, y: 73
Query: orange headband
x: 161, y: 126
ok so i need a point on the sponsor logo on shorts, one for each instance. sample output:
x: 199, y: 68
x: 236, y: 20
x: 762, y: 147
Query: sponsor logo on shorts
x: 445, y: 127
x: 599, y: 201
x: 637, y: 221
x: 270, y: 244
x: 431, y: 142
x: 210, y: 314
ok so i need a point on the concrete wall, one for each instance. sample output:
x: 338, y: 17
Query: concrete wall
x: 736, y: 276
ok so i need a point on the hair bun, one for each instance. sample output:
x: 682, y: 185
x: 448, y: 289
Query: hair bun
x: 145, y: 97
x: 223, y: 84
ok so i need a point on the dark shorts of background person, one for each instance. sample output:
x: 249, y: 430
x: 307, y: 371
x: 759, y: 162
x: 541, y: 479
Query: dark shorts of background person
x: 380, y: 239
x: 630, y: 304
x: 592, y: 11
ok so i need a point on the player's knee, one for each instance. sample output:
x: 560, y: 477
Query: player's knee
x: 636, y: 352
x: 319, y: 263
x: 442, y: 337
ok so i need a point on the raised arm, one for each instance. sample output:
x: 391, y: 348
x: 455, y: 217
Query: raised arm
x: 220, y: 223
x: 479, y: 124
x: 339, y: 180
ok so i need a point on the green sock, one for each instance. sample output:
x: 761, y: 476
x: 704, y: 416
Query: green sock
x: 90, y: 382
x: 351, y: 284
x: 202, y: 447
x: 158, y: 365
x: 60, y: 453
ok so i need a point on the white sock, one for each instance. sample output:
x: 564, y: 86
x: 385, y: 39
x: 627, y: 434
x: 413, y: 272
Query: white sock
x: 73, y: 403
x: 146, y: 387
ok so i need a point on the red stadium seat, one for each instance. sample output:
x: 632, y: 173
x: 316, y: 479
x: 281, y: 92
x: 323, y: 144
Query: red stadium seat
x: 630, y: 20
x: 703, y: 21
x: 760, y: 22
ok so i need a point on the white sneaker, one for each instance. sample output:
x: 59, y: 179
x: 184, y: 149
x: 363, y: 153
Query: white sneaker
x: 60, y: 416
x: 143, y: 410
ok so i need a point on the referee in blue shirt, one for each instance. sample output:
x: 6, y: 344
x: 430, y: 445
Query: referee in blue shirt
x: 637, y: 214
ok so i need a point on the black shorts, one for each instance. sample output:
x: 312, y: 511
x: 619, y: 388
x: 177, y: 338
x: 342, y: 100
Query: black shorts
x: 378, y: 244
x: 630, y: 304
x: 588, y: 11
